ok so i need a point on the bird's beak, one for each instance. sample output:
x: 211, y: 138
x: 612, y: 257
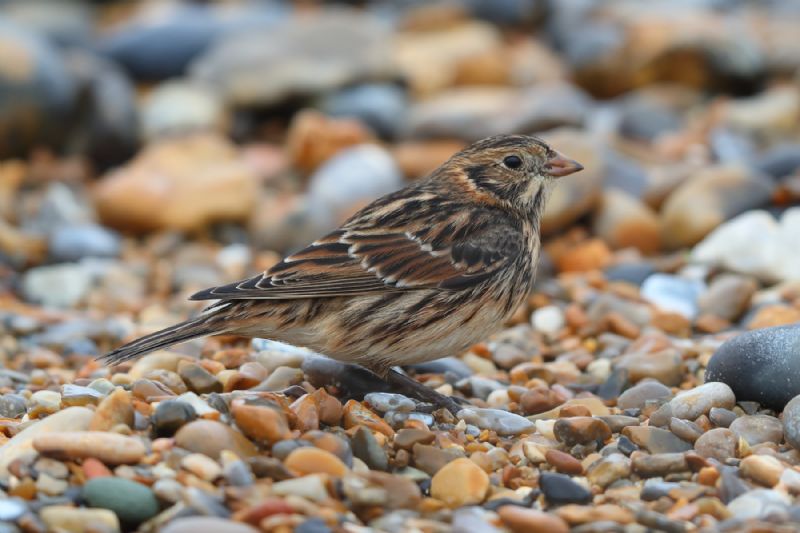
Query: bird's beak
x: 558, y: 166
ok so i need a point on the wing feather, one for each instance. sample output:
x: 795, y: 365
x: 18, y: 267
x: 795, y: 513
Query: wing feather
x: 465, y: 249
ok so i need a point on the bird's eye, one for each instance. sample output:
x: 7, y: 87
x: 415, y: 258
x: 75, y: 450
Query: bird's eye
x: 513, y: 162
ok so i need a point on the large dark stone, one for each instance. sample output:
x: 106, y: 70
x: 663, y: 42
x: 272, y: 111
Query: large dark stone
x: 761, y: 365
x: 37, y: 93
x: 560, y: 489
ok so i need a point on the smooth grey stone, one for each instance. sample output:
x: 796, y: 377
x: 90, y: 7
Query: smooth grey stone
x: 761, y: 365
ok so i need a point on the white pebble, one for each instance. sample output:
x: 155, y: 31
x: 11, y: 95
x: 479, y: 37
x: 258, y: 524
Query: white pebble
x: 548, y: 320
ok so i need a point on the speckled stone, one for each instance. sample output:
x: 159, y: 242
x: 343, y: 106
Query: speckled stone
x: 761, y: 365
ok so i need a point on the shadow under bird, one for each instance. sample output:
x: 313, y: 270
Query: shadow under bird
x: 419, y: 274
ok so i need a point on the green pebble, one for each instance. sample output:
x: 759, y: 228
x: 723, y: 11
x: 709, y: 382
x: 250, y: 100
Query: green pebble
x: 132, y: 502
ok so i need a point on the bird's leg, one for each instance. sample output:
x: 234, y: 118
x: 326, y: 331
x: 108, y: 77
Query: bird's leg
x: 412, y: 387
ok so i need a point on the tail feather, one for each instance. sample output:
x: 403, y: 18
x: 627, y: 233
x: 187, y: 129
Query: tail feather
x: 164, y: 338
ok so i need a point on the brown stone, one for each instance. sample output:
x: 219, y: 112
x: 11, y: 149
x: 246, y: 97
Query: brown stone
x: 110, y: 448
x: 355, y: 414
x: 431, y: 459
x: 404, y: 493
x: 329, y: 407
x: 419, y: 158
x: 719, y: 444
x: 586, y: 256
x: 179, y: 183
x: 672, y: 323
x: 313, y: 138
x: 460, y: 482
x: 762, y: 469
x: 210, y: 438
x: 115, y: 409
x: 581, y: 430
x: 625, y: 222
x: 305, y: 461
x: 306, y: 413
x: 774, y: 315
x: 564, y: 462
x: 656, y: 440
x: 406, y: 438
x: 265, y: 424
x: 583, y: 514
x: 574, y: 410
x: 539, y: 400
x: 521, y: 520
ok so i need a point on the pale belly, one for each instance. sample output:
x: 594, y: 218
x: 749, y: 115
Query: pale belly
x: 383, y: 331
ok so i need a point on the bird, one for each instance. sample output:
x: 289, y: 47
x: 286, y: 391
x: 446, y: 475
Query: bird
x: 419, y: 274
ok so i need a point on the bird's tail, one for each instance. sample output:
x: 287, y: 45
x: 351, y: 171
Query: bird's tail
x: 198, y: 327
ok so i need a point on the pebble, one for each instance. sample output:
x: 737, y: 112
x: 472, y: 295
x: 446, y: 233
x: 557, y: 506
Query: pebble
x: 179, y: 107
x: 386, y: 401
x: 624, y: 221
x: 72, y: 418
x: 659, y: 464
x: 180, y: 183
x: 73, y: 243
x: 202, y: 466
x: 265, y: 424
x: 760, y: 504
x: 380, y: 106
x: 673, y: 293
x: 608, y: 470
x: 560, y: 489
x: 656, y: 440
x: 310, y: 487
x: 581, y: 430
x: 728, y: 296
x: 460, y: 482
x: 12, y: 508
x: 12, y: 406
x: 45, y: 402
x: 521, y: 520
x: 754, y: 243
x: 689, y: 405
x: 78, y: 520
x: 756, y: 429
x: 132, y: 502
x: 406, y: 438
x: 711, y: 197
x: 366, y: 448
x: 206, y: 524
x: 685, y: 429
x: 791, y: 422
x: 639, y: 394
x: 663, y: 366
x: 548, y: 320
x: 198, y: 379
x: 564, y: 462
x: 355, y: 414
x: 58, y: 286
x: 210, y: 438
x: 721, y: 417
x: 762, y: 469
x: 281, y: 378
x: 760, y: 365
x: 719, y: 443
x: 170, y: 416
x: 109, y: 448
x: 114, y: 409
x: 309, y: 460
x: 502, y: 422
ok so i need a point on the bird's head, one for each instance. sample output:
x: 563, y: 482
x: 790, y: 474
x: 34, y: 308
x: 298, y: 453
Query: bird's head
x: 513, y: 169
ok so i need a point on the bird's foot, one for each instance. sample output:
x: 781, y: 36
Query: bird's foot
x: 413, y: 388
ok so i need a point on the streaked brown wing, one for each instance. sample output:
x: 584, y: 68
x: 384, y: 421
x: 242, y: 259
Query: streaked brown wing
x: 452, y: 255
